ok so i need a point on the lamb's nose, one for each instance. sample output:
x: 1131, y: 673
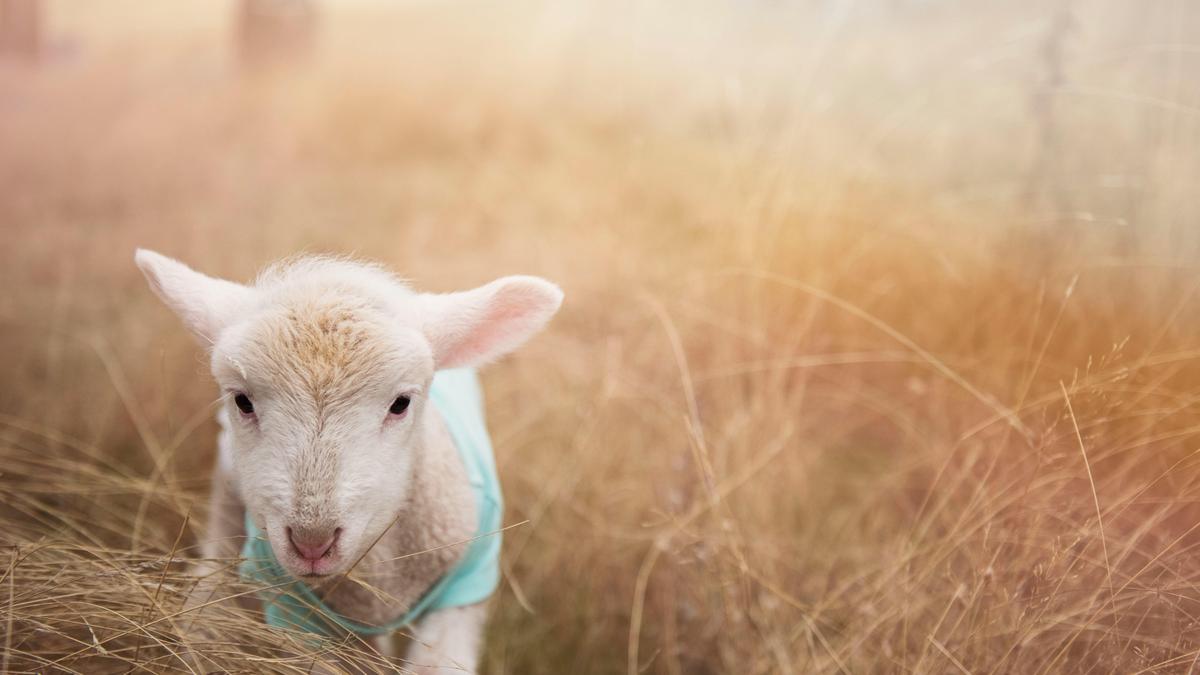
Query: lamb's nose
x: 313, y: 544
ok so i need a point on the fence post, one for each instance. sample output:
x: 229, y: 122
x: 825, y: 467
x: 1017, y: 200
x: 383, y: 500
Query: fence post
x: 275, y: 32
x: 21, y: 25
x: 1043, y: 182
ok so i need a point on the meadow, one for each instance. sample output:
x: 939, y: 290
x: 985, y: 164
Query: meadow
x: 879, y: 351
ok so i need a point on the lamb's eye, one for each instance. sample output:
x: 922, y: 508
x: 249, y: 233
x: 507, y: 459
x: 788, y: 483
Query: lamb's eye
x: 399, y: 405
x: 243, y: 403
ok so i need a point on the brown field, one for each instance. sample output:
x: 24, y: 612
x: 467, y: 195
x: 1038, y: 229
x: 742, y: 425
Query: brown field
x: 879, y: 353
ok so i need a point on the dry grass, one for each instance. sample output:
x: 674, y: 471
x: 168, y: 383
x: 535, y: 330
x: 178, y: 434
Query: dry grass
x: 879, y: 352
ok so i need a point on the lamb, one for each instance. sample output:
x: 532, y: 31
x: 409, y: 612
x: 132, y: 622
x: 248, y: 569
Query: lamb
x: 352, y: 437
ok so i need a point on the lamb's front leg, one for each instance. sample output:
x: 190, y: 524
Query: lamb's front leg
x: 222, y: 542
x: 448, y: 640
x: 226, y: 520
x: 218, y: 549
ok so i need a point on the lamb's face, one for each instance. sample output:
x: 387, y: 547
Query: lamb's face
x: 324, y: 366
x: 325, y: 404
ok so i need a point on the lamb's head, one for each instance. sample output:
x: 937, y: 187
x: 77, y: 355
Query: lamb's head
x: 324, y: 366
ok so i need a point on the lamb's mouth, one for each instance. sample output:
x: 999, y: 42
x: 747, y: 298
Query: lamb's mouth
x: 314, y: 571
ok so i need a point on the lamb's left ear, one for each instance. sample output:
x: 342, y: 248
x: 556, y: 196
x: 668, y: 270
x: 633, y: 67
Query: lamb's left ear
x: 205, y: 304
x: 473, y: 327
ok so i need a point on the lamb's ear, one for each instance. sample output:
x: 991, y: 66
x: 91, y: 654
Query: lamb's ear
x: 473, y: 327
x: 205, y: 304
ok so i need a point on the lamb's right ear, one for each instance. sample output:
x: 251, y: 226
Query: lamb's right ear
x: 205, y: 304
x: 473, y: 327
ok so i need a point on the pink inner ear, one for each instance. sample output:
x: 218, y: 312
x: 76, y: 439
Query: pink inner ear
x: 493, y: 322
x: 498, y: 323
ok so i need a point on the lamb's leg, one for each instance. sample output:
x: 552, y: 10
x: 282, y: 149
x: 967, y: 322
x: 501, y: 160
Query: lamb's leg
x: 222, y: 544
x: 226, y: 520
x: 448, y: 641
x: 386, y: 646
x: 218, y: 549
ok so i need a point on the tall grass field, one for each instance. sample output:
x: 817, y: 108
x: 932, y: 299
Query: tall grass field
x: 880, y: 350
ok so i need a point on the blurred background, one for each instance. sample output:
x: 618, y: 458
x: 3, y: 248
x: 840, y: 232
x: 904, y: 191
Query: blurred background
x: 878, y: 355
